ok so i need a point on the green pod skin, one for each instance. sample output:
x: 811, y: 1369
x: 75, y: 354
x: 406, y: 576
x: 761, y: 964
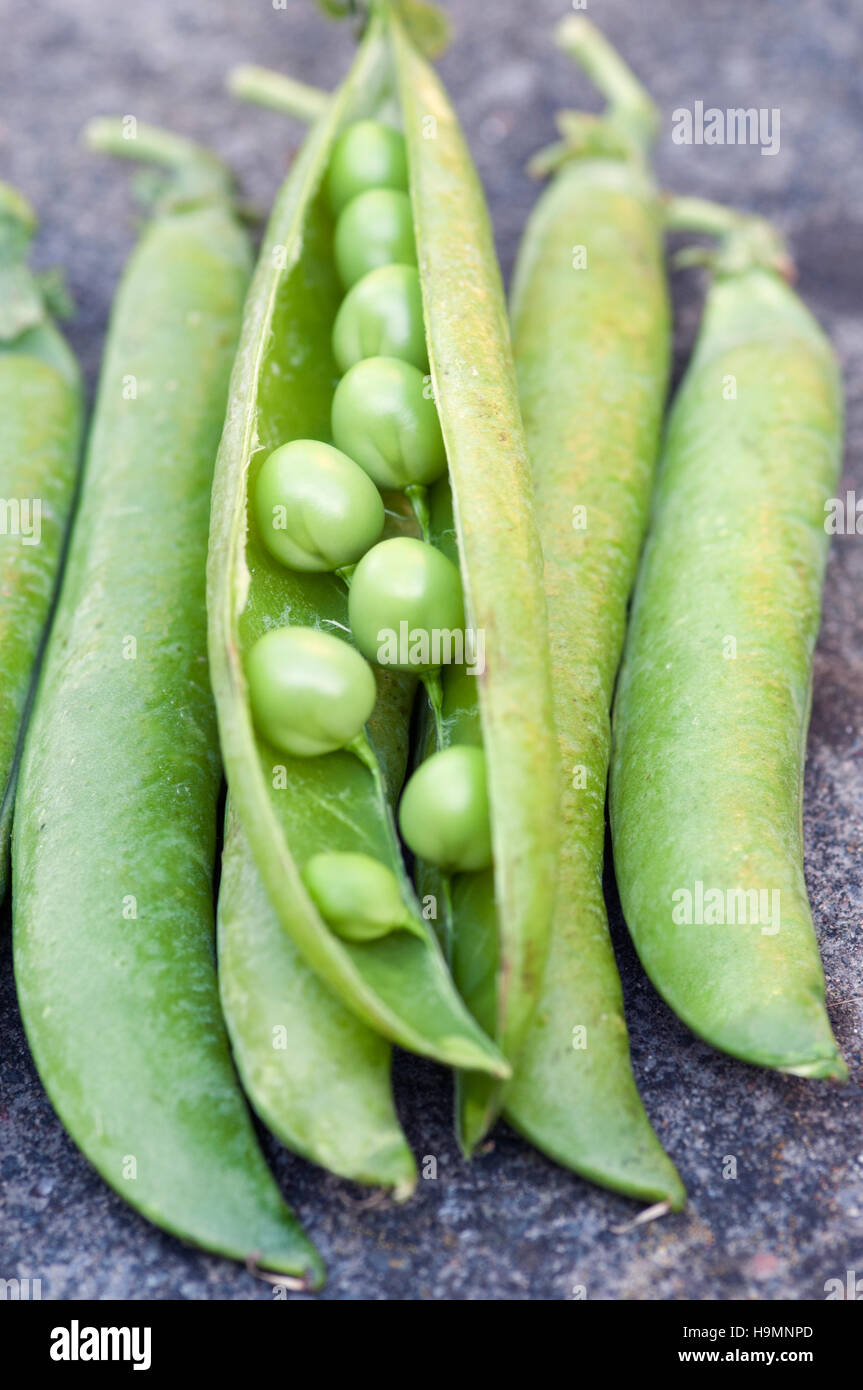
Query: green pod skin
x: 41, y: 409
x: 115, y: 828
x: 283, y: 388
x: 592, y: 351
x: 713, y: 700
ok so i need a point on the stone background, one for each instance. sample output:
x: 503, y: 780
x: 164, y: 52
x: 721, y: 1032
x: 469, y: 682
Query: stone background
x: 512, y: 1225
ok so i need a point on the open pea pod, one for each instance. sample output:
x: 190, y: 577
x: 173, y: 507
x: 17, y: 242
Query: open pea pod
x: 41, y: 408
x: 282, y: 390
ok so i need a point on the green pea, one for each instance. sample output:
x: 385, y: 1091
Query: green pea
x: 444, y: 815
x: 315, y: 508
x: 382, y: 316
x: 384, y: 420
x: 405, y: 601
x: 366, y: 155
x: 310, y: 692
x: 357, y: 896
x: 376, y: 228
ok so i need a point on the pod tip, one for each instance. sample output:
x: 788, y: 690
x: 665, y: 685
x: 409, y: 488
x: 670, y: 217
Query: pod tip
x: 573, y: 31
x: 311, y: 1278
x: 404, y: 1190
x: 821, y: 1069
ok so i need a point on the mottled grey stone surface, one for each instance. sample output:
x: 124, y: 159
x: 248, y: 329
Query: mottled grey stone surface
x: 512, y: 1225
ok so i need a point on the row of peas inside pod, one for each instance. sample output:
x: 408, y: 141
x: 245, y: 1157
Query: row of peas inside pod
x: 318, y: 508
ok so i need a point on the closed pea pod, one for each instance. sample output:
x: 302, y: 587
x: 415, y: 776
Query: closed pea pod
x: 471, y: 410
x: 592, y: 353
x: 114, y: 837
x: 40, y: 429
x: 714, y: 694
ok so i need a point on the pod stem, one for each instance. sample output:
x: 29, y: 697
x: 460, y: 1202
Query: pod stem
x: 417, y: 495
x: 22, y: 304
x: 361, y: 748
x: 263, y: 87
x: 197, y: 175
x: 745, y: 242
x: 630, y: 107
x: 685, y: 214
x: 434, y: 690
x: 449, y: 917
x: 16, y: 211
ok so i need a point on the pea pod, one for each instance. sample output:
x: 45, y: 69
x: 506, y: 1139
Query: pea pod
x: 283, y: 388
x: 592, y: 353
x: 714, y: 693
x: 114, y: 838
x: 41, y: 409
